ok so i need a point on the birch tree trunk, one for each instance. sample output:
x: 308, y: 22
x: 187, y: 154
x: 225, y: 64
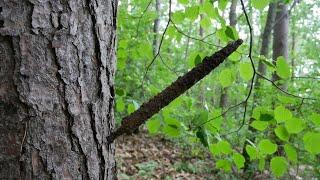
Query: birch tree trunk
x: 57, y: 88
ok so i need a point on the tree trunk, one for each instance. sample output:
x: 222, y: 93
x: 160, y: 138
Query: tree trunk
x: 156, y: 25
x: 233, y: 21
x: 56, y: 89
x: 280, y: 35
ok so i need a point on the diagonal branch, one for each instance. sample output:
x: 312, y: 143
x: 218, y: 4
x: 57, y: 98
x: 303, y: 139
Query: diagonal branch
x: 182, y: 84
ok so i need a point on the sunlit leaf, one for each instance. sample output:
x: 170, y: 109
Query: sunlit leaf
x: 120, y: 106
x: 224, y: 147
x: 259, y: 125
x: 153, y: 125
x: 183, y: 1
x: 222, y: 4
x: 246, y: 71
x: 311, y: 142
x: 260, y: 4
x: 224, y: 164
x: 279, y: 166
x: 192, y: 12
x: 226, y: 78
x: 239, y: 160
x: 315, y: 118
x: 267, y: 147
x: 283, y: 69
x: 252, y: 152
x: 294, y: 125
x: 291, y: 153
x: 282, y: 133
x: 282, y: 114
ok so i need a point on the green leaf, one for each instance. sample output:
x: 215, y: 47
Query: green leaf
x: 311, y: 142
x: 119, y: 92
x: 222, y: 4
x: 235, y: 56
x: 221, y: 34
x: 267, y: 147
x: 259, y: 125
x: 252, y: 152
x: 266, y: 116
x: 246, y: 71
x: 260, y: 4
x: 291, y: 153
x: 283, y: 69
x: 153, y: 125
x: 178, y: 17
x: 239, y: 160
x: 229, y: 33
x: 120, y: 106
x: 315, y: 118
x: 279, y: 166
x: 203, y: 136
x: 281, y: 114
x: 294, y: 125
x: 208, y: 8
x: 224, y: 164
x: 215, y: 151
x: 131, y: 108
x: 183, y: 1
x: 224, y: 147
x: 172, y: 127
x: 192, y: 12
x: 205, y: 23
x: 282, y: 133
x: 226, y: 78
x: 197, y: 60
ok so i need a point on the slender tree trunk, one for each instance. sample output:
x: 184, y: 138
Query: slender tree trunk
x: 156, y: 25
x: 233, y: 22
x: 202, y: 95
x: 280, y: 35
x: 56, y: 89
x: 262, y: 70
x: 280, y: 47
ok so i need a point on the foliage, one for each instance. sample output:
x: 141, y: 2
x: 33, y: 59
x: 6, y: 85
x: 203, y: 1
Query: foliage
x: 287, y: 127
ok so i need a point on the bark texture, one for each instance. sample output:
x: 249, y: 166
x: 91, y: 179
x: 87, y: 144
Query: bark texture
x: 56, y: 89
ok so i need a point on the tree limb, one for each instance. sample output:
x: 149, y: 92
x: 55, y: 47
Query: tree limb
x: 178, y: 87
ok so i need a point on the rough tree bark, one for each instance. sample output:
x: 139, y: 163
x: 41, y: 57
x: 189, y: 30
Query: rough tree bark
x: 56, y: 89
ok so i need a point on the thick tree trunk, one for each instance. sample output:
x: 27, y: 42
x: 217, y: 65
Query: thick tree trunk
x: 56, y: 89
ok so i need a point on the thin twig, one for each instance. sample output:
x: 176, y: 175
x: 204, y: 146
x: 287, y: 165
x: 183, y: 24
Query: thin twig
x: 140, y: 17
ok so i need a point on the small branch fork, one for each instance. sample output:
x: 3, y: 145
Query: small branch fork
x: 177, y: 88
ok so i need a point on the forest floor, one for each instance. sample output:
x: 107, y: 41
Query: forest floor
x: 142, y: 156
